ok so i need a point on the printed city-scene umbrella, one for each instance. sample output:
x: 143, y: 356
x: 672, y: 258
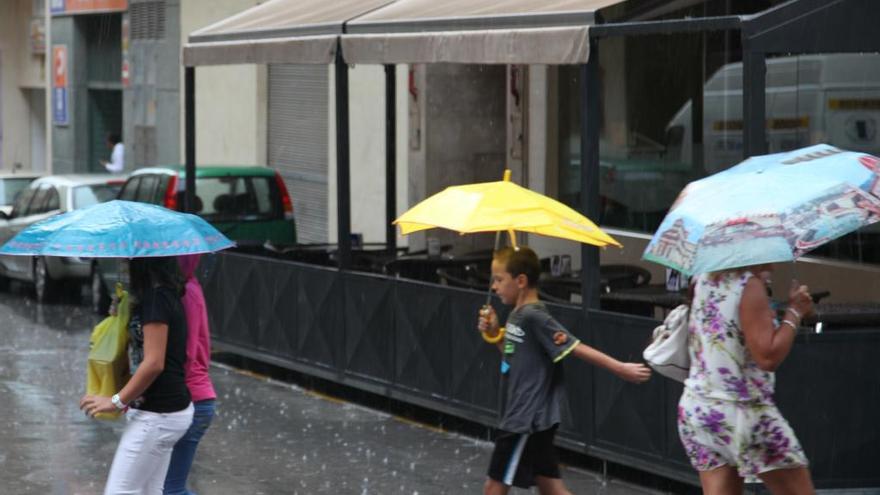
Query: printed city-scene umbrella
x: 768, y: 209
x: 501, y: 206
x: 118, y: 229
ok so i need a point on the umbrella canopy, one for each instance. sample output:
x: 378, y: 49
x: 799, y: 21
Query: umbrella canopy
x: 768, y: 209
x: 501, y: 206
x: 118, y: 229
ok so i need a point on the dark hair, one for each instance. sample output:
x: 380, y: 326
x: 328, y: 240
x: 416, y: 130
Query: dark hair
x: 520, y: 261
x: 147, y: 273
x: 114, y: 138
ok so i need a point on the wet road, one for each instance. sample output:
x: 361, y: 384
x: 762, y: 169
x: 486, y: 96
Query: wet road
x: 267, y: 437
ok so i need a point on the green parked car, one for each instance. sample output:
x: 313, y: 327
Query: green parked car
x: 249, y: 204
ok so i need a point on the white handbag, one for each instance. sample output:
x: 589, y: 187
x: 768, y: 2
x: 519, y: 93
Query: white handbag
x: 668, y: 352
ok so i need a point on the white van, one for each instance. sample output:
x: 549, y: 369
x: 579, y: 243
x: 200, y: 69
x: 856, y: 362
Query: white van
x: 828, y: 98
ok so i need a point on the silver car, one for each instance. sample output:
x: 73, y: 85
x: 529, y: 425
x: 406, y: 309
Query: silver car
x: 45, y: 197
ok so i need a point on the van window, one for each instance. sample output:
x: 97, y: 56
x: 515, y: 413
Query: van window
x: 129, y: 190
x: 146, y: 192
x: 238, y: 198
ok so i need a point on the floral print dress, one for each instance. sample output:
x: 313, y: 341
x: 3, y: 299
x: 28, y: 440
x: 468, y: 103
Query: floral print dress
x: 726, y: 415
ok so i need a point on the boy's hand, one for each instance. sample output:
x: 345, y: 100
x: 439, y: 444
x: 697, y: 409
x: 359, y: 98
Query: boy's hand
x: 634, y: 372
x: 488, y: 321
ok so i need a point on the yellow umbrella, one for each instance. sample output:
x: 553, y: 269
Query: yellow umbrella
x: 501, y: 206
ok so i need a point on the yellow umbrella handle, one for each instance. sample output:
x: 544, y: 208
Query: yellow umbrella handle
x: 507, y: 175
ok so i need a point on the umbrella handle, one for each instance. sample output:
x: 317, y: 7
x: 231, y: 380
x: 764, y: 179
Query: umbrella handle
x: 489, y: 290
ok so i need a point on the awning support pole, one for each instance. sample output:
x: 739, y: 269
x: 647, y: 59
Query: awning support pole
x: 390, y: 158
x: 343, y: 172
x: 189, y: 92
x: 754, y: 102
x: 590, y: 125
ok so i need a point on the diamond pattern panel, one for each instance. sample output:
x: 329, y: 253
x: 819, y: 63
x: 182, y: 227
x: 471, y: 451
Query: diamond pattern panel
x: 369, y: 326
x: 627, y: 416
x: 422, y: 338
x: 577, y: 411
x: 319, y: 318
x: 475, y: 367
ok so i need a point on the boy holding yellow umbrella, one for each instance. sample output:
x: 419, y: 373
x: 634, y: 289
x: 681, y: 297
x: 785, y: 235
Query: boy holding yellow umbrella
x: 533, y: 343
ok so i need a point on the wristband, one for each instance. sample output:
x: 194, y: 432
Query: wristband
x: 795, y: 312
x: 493, y: 340
x: 791, y: 324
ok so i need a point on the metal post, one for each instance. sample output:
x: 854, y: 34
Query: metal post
x: 390, y: 158
x: 343, y: 173
x: 590, y: 124
x: 754, y: 102
x: 189, y: 93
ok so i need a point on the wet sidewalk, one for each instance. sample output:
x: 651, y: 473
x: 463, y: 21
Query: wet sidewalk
x: 267, y: 438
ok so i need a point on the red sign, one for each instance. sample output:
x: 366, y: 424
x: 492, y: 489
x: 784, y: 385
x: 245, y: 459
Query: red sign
x: 77, y: 6
x: 59, y: 66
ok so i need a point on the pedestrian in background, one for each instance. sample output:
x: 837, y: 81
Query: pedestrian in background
x: 117, y: 154
x: 532, y: 344
x: 156, y: 398
x: 198, y: 379
x: 727, y: 419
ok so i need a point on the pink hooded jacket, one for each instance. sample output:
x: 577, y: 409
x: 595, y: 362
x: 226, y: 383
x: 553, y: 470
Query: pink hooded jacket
x: 198, y: 340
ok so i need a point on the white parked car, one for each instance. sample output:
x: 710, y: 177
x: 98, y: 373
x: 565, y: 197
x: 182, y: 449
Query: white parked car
x: 45, y: 197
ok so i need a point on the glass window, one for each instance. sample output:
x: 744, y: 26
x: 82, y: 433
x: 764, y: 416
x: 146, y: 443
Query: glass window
x: 241, y: 198
x: 85, y: 196
x: 38, y: 204
x: 129, y: 190
x: 22, y: 202
x: 53, y: 201
x: 10, y: 189
x: 660, y: 96
x: 146, y: 192
x: 829, y: 98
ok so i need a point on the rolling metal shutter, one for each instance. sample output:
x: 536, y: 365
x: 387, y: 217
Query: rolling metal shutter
x: 297, y: 139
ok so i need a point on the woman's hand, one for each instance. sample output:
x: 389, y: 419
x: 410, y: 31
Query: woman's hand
x: 799, y: 298
x: 634, y: 372
x: 94, y: 404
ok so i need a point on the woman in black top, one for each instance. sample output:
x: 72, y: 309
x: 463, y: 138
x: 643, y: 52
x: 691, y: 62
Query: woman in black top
x: 156, y: 398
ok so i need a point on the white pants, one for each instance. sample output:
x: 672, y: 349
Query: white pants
x: 144, y: 451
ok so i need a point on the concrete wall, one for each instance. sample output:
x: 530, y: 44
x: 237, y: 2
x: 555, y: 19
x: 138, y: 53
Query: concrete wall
x: 367, y: 155
x: 231, y: 100
x: 153, y: 99
x: 70, y: 143
x: 465, y: 134
x: 20, y: 73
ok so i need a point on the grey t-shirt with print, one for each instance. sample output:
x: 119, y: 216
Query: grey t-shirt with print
x: 534, y: 343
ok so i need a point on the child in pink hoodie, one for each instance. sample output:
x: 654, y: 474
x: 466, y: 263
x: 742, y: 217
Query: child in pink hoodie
x: 198, y: 380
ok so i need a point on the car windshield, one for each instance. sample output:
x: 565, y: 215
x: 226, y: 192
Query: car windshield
x: 10, y: 189
x: 237, y: 198
x: 84, y: 196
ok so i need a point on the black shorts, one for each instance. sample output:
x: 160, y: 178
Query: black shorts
x: 519, y: 457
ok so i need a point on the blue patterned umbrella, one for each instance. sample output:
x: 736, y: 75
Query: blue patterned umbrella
x: 768, y: 209
x: 118, y: 229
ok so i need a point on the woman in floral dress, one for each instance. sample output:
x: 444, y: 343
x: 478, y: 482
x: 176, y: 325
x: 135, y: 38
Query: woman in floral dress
x: 727, y: 419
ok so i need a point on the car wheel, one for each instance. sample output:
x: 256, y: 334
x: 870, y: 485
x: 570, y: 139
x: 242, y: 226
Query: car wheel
x: 44, y: 286
x: 100, y: 299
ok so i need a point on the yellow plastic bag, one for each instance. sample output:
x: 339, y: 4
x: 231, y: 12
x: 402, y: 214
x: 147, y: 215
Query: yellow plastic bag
x: 108, y: 354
